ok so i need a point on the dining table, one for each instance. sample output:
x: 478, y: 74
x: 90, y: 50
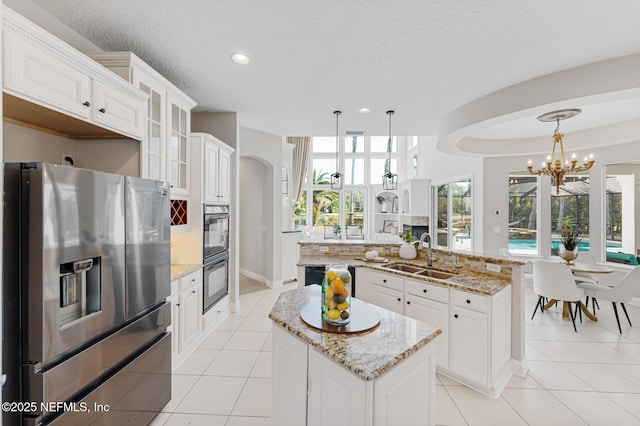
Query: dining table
x: 590, y: 268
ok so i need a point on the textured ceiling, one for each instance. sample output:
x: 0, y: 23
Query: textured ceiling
x: 310, y: 57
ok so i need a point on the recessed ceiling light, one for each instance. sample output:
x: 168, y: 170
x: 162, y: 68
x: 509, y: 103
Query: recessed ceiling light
x: 364, y: 110
x: 239, y: 58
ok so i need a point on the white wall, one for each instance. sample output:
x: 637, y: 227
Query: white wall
x: 24, y: 145
x: 255, y: 217
x: 267, y: 149
x: 120, y: 156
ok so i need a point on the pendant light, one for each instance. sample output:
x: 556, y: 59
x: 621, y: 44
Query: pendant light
x: 336, y: 178
x: 389, y: 180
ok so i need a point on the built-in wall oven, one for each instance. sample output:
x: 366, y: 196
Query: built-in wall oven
x: 215, y: 255
x: 215, y: 230
x: 215, y: 280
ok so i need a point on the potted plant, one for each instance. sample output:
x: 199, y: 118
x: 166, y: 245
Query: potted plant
x: 383, y: 203
x: 408, y: 248
x: 569, y: 241
x: 337, y: 230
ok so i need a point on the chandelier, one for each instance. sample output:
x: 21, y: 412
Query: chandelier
x: 389, y: 180
x: 336, y: 178
x: 557, y: 168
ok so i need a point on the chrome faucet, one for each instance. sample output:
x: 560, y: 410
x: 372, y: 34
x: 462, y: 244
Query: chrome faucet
x: 426, y: 237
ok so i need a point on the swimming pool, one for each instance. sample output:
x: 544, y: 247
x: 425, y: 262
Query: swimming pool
x: 531, y: 245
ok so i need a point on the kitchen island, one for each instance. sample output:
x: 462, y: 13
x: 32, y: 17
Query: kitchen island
x: 378, y: 377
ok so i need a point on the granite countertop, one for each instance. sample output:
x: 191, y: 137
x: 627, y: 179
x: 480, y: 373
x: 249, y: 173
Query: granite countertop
x: 178, y: 270
x: 466, y: 280
x: 368, y: 354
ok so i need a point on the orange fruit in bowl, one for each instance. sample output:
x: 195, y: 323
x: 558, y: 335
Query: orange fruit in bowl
x: 337, y: 286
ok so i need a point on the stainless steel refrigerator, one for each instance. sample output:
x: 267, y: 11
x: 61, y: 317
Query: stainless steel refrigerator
x: 86, y: 275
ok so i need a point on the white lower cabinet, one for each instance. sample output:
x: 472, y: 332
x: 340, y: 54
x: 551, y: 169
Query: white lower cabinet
x: 190, y: 311
x: 186, y: 310
x: 468, y: 344
x: 475, y: 345
x: 436, y: 314
x: 338, y: 396
x: 307, y: 388
x: 386, y: 298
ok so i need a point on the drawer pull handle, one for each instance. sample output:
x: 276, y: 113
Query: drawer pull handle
x: 193, y: 279
x: 102, y: 110
x: 384, y: 281
x: 86, y: 103
x: 424, y: 290
x: 468, y: 301
x: 193, y: 291
x: 455, y: 316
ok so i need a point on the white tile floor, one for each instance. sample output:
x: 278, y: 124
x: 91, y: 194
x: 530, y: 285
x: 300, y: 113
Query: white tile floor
x: 590, y: 377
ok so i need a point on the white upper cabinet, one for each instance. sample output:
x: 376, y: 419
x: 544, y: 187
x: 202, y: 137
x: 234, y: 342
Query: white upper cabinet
x: 43, y: 70
x: 216, y: 168
x: 165, y: 155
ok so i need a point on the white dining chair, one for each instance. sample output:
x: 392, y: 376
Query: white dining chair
x: 555, y: 281
x: 587, y: 277
x: 627, y: 288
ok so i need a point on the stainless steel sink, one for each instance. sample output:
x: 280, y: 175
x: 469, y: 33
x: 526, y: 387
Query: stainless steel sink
x: 419, y: 270
x: 404, y: 268
x: 434, y: 274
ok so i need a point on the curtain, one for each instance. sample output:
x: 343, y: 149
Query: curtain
x: 299, y: 157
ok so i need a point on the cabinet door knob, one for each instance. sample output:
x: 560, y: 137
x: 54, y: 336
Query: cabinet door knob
x: 193, y: 291
x: 455, y: 316
x: 399, y: 300
x: 408, y: 302
x: 384, y: 281
x: 102, y: 110
x: 468, y: 301
x: 424, y: 290
x: 193, y: 279
x: 86, y: 103
x: 177, y: 304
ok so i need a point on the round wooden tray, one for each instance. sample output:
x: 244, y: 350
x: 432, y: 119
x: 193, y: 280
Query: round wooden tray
x: 363, y: 317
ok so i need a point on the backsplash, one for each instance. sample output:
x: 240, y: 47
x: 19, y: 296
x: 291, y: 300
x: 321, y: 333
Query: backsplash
x: 443, y: 258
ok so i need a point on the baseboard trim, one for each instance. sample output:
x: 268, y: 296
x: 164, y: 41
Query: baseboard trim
x: 520, y: 368
x: 254, y: 276
x: 275, y: 284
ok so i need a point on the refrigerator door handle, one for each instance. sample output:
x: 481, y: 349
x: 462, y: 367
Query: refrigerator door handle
x: 163, y: 187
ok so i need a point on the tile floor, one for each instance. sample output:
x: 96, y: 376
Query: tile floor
x: 591, y: 377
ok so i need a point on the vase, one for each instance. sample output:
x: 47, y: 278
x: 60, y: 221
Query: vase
x: 568, y: 255
x: 383, y: 207
x: 408, y: 251
x: 336, y: 295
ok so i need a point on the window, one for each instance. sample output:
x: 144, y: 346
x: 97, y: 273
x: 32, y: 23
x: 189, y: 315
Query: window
x: 622, y: 218
x: 453, y: 215
x: 300, y: 211
x: 570, y: 209
x: 363, y: 160
x: 381, y: 143
x: 378, y: 168
x: 326, y: 209
x: 523, y: 202
x: 354, y: 207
